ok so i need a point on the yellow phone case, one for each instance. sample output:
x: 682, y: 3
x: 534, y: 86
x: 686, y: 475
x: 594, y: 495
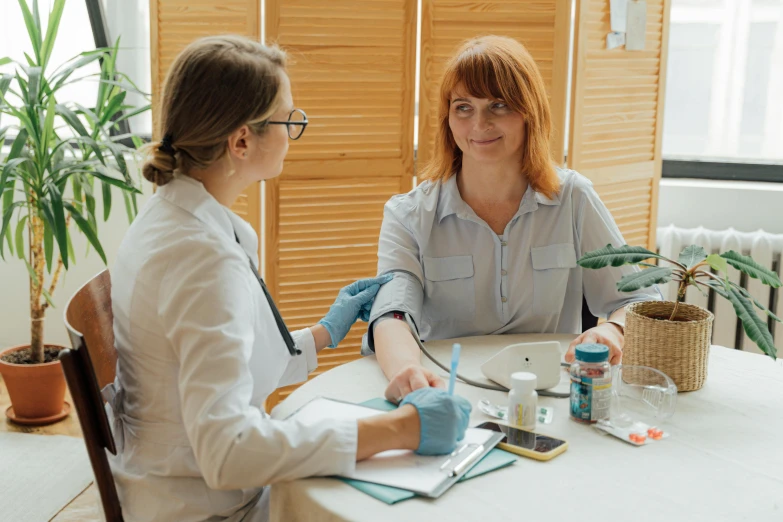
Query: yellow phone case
x: 517, y: 450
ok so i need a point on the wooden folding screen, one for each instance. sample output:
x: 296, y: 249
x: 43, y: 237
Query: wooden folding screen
x: 617, y: 116
x: 543, y: 26
x: 176, y: 23
x: 352, y: 67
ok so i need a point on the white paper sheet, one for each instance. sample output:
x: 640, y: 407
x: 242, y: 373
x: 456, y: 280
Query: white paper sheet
x: 398, y: 468
x: 636, y: 25
x: 618, y: 15
x: 615, y: 40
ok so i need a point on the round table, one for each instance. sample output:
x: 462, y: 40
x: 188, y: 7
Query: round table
x: 723, y: 460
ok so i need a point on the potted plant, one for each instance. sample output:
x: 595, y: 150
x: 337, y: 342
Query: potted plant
x: 61, y: 156
x: 674, y: 337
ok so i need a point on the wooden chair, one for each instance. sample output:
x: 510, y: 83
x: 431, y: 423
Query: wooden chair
x: 89, y: 366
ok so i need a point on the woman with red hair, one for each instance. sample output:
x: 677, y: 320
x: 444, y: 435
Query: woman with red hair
x: 488, y: 243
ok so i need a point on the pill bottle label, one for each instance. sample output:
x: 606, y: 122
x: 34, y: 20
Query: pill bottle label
x: 522, y: 416
x: 591, y: 398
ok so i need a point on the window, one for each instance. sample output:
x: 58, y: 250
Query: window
x: 723, y: 83
x: 128, y: 19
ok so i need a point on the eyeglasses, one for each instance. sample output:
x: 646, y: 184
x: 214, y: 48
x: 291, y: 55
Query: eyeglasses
x: 297, y: 122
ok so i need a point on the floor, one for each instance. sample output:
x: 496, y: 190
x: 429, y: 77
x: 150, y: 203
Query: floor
x: 87, y: 506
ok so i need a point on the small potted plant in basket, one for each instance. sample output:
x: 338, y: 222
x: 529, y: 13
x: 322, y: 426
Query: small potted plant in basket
x: 674, y: 337
x: 62, y: 154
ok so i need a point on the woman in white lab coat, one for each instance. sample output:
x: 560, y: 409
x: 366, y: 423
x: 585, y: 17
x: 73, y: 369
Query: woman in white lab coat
x: 201, y: 344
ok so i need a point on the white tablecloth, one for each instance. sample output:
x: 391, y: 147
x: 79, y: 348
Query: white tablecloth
x: 722, y: 462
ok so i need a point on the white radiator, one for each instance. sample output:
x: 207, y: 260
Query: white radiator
x: 763, y: 247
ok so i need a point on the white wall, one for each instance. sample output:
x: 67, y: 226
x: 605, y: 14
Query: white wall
x: 14, y: 278
x: 718, y: 205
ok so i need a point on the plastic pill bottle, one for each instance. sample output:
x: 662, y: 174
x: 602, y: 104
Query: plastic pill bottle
x: 523, y: 401
x: 591, y: 383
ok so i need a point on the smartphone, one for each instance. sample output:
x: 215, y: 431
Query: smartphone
x: 527, y: 443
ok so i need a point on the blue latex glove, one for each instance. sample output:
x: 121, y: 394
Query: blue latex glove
x: 443, y: 418
x: 353, y: 302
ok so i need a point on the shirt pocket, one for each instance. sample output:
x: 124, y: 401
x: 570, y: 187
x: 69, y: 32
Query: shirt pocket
x: 551, y: 268
x: 449, y: 288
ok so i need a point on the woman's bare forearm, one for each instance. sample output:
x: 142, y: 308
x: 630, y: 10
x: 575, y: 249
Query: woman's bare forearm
x: 395, y: 347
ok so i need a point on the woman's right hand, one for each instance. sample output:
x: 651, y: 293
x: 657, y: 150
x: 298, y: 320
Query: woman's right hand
x: 443, y: 419
x: 411, y: 378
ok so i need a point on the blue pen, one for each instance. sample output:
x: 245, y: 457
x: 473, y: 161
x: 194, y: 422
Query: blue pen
x: 455, y: 349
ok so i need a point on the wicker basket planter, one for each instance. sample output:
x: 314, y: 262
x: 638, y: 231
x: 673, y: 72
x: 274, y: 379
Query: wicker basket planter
x: 678, y: 348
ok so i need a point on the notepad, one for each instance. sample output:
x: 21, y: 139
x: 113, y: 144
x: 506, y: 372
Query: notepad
x: 428, y: 476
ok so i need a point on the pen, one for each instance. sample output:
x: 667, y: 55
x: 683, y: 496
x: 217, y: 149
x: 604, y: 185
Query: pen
x: 455, y: 349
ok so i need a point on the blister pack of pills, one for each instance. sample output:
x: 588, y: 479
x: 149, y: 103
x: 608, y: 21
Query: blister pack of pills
x: 637, y: 433
x: 544, y: 415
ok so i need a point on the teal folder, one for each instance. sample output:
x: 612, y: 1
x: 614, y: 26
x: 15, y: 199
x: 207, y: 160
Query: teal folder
x: 493, y: 460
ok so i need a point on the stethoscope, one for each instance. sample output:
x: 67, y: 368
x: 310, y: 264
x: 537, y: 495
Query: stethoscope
x: 284, y: 332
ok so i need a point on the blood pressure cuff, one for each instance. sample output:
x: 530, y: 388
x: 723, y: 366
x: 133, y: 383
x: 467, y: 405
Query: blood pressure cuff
x: 403, y: 294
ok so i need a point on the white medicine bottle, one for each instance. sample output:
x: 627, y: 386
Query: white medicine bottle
x: 522, y: 401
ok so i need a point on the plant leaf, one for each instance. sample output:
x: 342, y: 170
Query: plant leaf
x: 9, y: 240
x: 51, y: 31
x: 48, y: 128
x: 747, y: 265
x: 33, y: 86
x: 128, y: 208
x: 610, y: 255
x: 9, y: 210
x: 33, y: 276
x: 717, y: 263
x: 5, y: 83
x: 20, y: 237
x: 58, y: 213
x: 71, y: 253
x: 135, y: 112
x: 752, y: 323
x: 720, y: 288
x: 760, y: 306
x: 72, y: 119
x: 645, y: 278
x: 106, y: 200
x: 10, y: 167
x: 48, y: 297
x: 102, y: 174
x: 112, y: 107
x: 33, y: 31
x: 73, y: 65
x: 692, y: 256
x: 85, y: 227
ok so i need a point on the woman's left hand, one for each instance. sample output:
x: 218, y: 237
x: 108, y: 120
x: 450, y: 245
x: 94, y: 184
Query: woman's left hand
x: 353, y: 302
x: 608, y: 334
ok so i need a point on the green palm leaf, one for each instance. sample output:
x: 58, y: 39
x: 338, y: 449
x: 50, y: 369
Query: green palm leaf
x: 613, y: 256
x: 746, y: 265
x: 33, y: 30
x: 87, y: 230
x: 692, y: 256
x: 645, y: 278
x: 760, y: 306
x: 51, y: 31
x: 752, y: 323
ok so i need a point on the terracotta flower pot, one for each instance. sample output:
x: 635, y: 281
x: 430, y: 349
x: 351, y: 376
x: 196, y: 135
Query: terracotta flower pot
x: 37, y: 391
x: 678, y: 348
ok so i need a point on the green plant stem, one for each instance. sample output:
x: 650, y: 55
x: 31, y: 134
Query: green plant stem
x: 680, y: 295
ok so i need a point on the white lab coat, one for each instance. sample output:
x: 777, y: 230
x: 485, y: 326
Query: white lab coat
x: 199, y: 352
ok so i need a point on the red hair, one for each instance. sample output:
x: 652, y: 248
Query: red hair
x: 499, y: 68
